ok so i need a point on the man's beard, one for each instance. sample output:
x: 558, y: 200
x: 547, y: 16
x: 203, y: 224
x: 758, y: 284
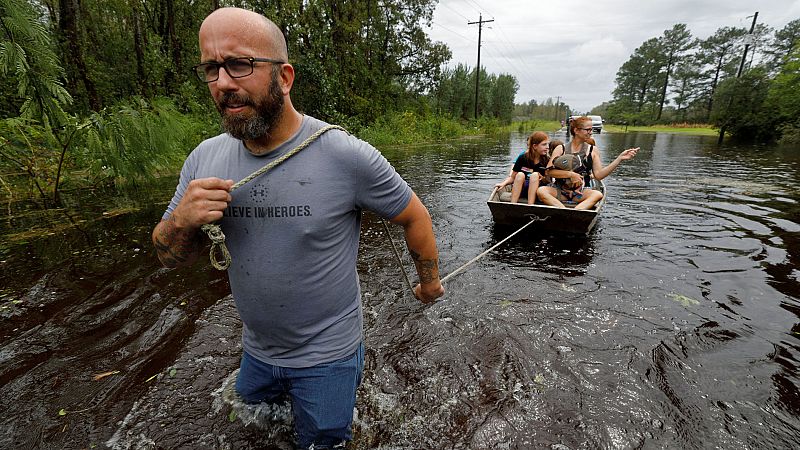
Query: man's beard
x: 268, y: 110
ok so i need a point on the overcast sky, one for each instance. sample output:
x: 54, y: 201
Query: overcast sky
x: 573, y: 49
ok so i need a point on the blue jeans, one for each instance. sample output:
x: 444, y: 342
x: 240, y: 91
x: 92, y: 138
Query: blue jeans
x: 323, y: 396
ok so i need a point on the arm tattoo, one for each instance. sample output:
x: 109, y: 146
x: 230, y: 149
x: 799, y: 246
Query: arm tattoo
x: 428, y: 269
x: 175, y: 247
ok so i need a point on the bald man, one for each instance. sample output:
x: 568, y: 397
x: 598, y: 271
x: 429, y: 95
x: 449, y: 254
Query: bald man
x: 292, y: 233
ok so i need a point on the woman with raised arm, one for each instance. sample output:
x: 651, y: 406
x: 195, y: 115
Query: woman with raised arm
x: 528, y: 169
x: 574, y: 164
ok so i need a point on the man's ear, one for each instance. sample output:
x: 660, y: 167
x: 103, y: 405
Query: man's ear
x: 287, y: 78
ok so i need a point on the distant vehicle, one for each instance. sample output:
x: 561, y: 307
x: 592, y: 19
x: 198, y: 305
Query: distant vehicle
x: 597, y: 123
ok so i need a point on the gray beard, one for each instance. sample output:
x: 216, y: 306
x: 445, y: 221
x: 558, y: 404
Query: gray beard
x: 246, y: 129
x: 268, y: 112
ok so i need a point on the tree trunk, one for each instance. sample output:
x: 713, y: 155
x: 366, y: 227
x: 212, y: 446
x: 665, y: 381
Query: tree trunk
x: 138, y: 47
x: 73, y: 50
x: 175, y: 45
x: 642, y: 94
x: 664, y: 89
x: 714, y: 88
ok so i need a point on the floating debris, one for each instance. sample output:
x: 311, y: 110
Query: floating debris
x: 100, y: 376
x: 684, y: 300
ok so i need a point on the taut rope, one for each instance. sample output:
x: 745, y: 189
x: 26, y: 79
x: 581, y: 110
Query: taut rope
x: 455, y: 272
x: 451, y: 274
x: 214, y: 231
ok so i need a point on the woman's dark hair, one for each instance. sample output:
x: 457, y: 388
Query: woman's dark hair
x: 553, y: 144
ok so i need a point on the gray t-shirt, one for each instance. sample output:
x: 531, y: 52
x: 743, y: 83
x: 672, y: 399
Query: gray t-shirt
x: 293, y: 237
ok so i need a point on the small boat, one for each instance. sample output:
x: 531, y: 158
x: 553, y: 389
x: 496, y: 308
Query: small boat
x: 550, y: 218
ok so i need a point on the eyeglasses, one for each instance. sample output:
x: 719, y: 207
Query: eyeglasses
x: 236, y: 68
x: 586, y: 129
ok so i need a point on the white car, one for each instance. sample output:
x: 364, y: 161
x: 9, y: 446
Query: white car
x: 597, y: 124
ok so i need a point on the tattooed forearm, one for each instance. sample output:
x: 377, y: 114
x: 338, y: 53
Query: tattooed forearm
x: 175, y: 247
x: 428, y: 269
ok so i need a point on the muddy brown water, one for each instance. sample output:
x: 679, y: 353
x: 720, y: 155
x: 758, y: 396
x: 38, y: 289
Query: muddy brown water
x: 675, y: 324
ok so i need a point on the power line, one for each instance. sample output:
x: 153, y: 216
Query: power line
x: 528, y: 69
x: 454, y: 32
x: 481, y: 8
x: 524, y: 74
x: 454, y: 10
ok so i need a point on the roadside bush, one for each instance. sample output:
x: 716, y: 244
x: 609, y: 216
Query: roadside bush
x: 789, y: 134
x: 409, y: 127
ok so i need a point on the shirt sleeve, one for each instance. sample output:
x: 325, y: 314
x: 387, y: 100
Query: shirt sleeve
x: 188, y: 173
x: 379, y: 188
x: 518, y: 163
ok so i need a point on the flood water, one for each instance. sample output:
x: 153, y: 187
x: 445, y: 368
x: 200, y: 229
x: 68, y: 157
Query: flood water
x: 675, y: 324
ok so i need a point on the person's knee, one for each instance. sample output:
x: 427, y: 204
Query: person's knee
x: 520, y: 177
x: 248, y: 390
x: 254, y: 382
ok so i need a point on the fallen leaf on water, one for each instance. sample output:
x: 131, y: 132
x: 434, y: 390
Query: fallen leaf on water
x: 100, y: 376
x: 232, y: 416
x: 505, y: 303
x: 172, y: 372
x: 684, y: 300
x: 62, y: 412
x: 150, y: 379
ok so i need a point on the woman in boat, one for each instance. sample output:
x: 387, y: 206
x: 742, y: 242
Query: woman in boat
x: 529, y: 168
x: 574, y: 164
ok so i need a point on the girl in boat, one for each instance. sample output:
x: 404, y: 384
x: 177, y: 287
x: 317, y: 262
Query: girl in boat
x: 529, y: 168
x: 574, y: 164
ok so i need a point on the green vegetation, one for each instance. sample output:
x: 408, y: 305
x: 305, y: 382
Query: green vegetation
x: 454, y: 94
x: 678, y: 78
x: 408, y: 127
x: 527, y: 126
x: 545, y: 111
x: 695, y: 129
x: 100, y: 92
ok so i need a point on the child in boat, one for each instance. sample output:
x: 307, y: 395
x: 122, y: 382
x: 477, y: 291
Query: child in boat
x: 555, y: 143
x: 529, y: 168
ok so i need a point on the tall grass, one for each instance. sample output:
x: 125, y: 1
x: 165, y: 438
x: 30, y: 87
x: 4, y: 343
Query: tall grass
x: 409, y: 127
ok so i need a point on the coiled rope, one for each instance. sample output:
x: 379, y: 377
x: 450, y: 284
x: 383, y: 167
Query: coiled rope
x: 214, y: 231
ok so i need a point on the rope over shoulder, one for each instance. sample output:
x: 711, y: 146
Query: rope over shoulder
x: 214, y: 231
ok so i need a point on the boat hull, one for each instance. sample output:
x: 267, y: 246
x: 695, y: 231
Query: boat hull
x: 549, y: 218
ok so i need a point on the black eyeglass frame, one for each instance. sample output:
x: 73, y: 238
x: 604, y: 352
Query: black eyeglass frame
x: 586, y: 129
x: 224, y: 65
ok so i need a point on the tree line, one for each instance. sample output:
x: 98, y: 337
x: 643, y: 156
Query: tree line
x: 106, y: 85
x: 677, y: 77
x: 546, y: 110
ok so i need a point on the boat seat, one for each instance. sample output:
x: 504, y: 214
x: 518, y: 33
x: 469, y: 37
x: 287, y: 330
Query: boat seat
x: 505, y: 196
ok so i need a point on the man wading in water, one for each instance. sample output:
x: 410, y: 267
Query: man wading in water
x: 293, y: 275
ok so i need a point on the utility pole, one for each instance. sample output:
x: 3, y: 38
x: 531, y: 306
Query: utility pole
x: 480, y: 23
x: 748, y: 39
